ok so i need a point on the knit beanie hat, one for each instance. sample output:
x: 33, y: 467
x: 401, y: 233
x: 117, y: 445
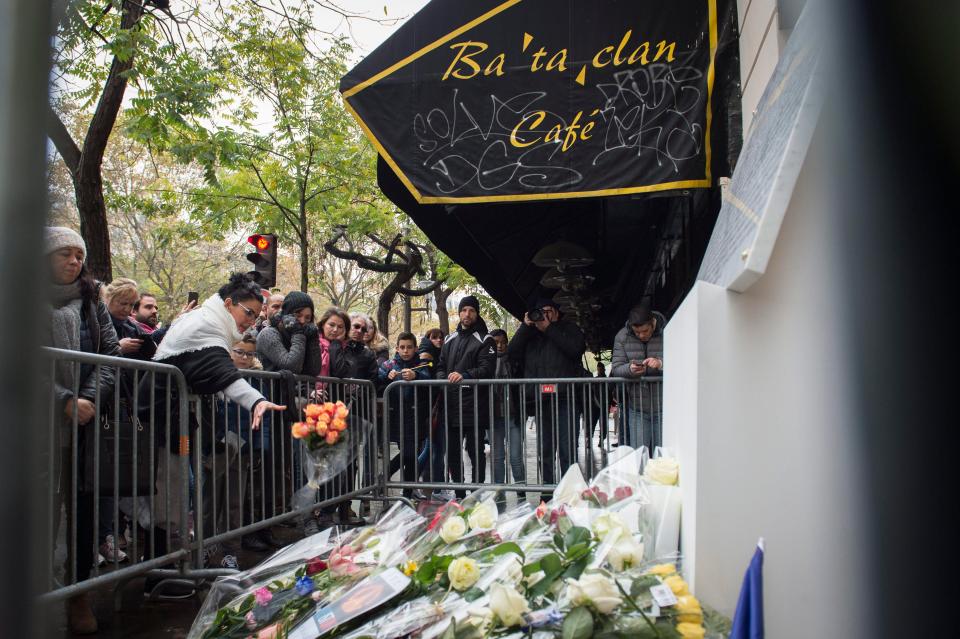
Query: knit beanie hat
x: 639, y: 315
x: 469, y: 300
x: 58, y: 237
x: 294, y: 301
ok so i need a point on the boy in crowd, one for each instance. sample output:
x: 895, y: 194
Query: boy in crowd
x: 404, y: 411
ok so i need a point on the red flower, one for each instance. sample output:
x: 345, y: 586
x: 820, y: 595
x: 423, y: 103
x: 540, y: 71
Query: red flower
x: 316, y: 565
x: 622, y: 492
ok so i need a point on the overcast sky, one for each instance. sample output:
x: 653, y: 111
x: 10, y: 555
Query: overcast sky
x: 366, y: 34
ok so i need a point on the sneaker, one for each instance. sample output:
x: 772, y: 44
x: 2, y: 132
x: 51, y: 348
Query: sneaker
x: 419, y: 494
x: 230, y: 562
x: 110, y: 552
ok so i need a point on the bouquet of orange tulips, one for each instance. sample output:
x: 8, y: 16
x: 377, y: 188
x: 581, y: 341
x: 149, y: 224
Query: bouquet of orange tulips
x: 325, y: 425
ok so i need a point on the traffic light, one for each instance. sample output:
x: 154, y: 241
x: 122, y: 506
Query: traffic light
x: 264, y: 259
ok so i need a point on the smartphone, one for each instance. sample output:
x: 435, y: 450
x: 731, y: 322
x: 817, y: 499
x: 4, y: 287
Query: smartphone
x: 193, y: 296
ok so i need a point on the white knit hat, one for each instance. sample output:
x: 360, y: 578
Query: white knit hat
x: 58, y: 237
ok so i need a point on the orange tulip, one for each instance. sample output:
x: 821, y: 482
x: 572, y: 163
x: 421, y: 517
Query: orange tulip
x: 300, y: 430
x: 342, y: 412
x: 324, y: 418
x: 339, y: 424
x: 329, y: 407
x: 332, y: 437
x: 321, y: 429
x: 312, y: 410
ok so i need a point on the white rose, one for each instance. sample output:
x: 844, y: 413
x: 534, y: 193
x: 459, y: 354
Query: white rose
x: 514, y: 570
x: 625, y: 553
x: 595, y: 590
x: 663, y: 470
x: 608, y: 522
x: 480, y: 617
x: 484, y: 516
x: 508, y: 605
x: 453, y: 529
x: 463, y: 573
x: 534, y: 578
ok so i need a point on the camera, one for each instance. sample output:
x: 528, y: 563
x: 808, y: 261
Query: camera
x: 535, y: 314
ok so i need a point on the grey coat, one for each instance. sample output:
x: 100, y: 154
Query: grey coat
x: 626, y: 348
x: 300, y: 357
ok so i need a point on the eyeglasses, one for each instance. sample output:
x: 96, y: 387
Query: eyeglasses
x: 359, y: 327
x: 246, y: 310
x: 239, y: 352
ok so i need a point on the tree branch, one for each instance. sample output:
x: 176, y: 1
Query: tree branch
x: 62, y: 139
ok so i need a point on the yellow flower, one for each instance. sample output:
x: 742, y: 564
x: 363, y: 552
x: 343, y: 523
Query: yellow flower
x: 661, y: 569
x: 410, y: 567
x: 688, y: 609
x: 690, y: 630
x: 677, y: 585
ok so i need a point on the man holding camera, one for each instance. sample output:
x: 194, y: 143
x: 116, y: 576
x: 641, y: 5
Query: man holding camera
x: 549, y: 347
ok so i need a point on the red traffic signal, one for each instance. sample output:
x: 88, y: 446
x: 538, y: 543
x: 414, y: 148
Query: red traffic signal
x: 264, y: 259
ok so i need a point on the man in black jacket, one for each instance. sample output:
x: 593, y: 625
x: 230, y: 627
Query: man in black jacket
x: 551, y: 348
x: 468, y: 353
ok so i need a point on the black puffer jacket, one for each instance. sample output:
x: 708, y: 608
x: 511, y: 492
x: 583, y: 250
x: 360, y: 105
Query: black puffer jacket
x: 472, y: 353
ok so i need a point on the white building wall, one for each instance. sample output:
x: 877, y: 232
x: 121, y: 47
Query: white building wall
x: 755, y: 404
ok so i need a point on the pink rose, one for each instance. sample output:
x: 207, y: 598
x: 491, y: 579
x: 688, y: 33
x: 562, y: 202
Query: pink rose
x: 270, y: 632
x: 262, y: 596
x: 340, y: 562
x: 622, y: 492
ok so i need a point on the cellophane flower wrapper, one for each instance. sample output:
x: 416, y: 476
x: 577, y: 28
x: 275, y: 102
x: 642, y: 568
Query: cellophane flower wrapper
x: 660, y: 518
x: 230, y: 590
x: 325, y: 463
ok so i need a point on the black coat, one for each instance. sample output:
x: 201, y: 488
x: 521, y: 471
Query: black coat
x: 554, y: 353
x: 127, y: 328
x: 358, y: 362
x: 473, y: 354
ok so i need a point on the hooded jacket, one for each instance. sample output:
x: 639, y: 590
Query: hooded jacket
x: 628, y: 347
x: 556, y: 352
x: 472, y: 353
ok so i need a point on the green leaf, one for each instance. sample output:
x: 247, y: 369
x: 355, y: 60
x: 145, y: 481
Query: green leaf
x: 551, y: 564
x: 473, y: 594
x: 577, y: 551
x: 508, y: 546
x: 558, y: 540
x: 531, y: 568
x: 576, y: 535
x: 451, y: 631
x: 576, y: 569
x: 427, y: 573
x: 578, y: 624
x: 641, y: 585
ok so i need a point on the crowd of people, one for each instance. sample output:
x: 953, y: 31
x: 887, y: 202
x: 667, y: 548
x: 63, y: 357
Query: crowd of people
x: 239, y: 328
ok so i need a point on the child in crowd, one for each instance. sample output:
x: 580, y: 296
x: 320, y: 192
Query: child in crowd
x: 404, y: 411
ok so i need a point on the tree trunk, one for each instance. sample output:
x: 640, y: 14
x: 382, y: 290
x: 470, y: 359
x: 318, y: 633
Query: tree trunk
x: 440, y: 296
x: 88, y: 187
x: 304, y: 250
x: 385, y: 302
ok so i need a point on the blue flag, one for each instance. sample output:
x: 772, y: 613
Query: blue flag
x: 748, y: 618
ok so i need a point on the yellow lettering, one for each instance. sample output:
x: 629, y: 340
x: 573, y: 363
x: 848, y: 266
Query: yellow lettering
x: 642, y: 50
x: 596, y: 59
x: 663, y: 46
x: 538, y: 117
x: 558, y: 61
x: 553, y: 135
x: 617, y: 60
x: 534, y: 66
x: 466, y: 58
x: 586, y: 130
x: 495, y: 65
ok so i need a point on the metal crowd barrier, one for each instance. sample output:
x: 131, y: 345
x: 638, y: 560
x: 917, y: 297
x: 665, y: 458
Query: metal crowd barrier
x: 516, y: 435
x: 248, y: 478
x: 126, y: 459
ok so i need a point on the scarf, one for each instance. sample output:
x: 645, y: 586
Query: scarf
x: 324, y: 357
x: 65, y: 309
x: 210, y: 326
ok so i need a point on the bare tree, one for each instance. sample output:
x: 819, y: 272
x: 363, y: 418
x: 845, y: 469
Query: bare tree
x: 403, y: 258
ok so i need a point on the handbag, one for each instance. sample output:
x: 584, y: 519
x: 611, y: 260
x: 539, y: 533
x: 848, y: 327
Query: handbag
x: 122, y: 444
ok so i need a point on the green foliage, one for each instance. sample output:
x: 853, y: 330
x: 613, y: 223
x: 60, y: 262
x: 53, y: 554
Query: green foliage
x: 578, y: 624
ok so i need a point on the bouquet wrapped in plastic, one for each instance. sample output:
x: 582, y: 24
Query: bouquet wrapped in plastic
x: 331, y: 444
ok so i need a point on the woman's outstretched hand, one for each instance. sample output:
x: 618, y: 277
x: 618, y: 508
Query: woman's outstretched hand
x: 260, y: 409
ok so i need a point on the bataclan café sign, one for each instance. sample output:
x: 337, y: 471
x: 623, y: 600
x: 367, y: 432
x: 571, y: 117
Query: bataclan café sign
x: 537, y: 99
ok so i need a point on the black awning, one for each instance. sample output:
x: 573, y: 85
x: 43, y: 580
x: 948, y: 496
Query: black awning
x: 469, y: 157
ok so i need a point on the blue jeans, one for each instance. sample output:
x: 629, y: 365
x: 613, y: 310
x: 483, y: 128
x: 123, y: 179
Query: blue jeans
x: 644, y: 428
x: 514, y: 441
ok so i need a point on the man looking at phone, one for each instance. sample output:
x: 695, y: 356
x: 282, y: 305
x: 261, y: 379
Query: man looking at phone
x: 638, y: 352
x: 548, y: 346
